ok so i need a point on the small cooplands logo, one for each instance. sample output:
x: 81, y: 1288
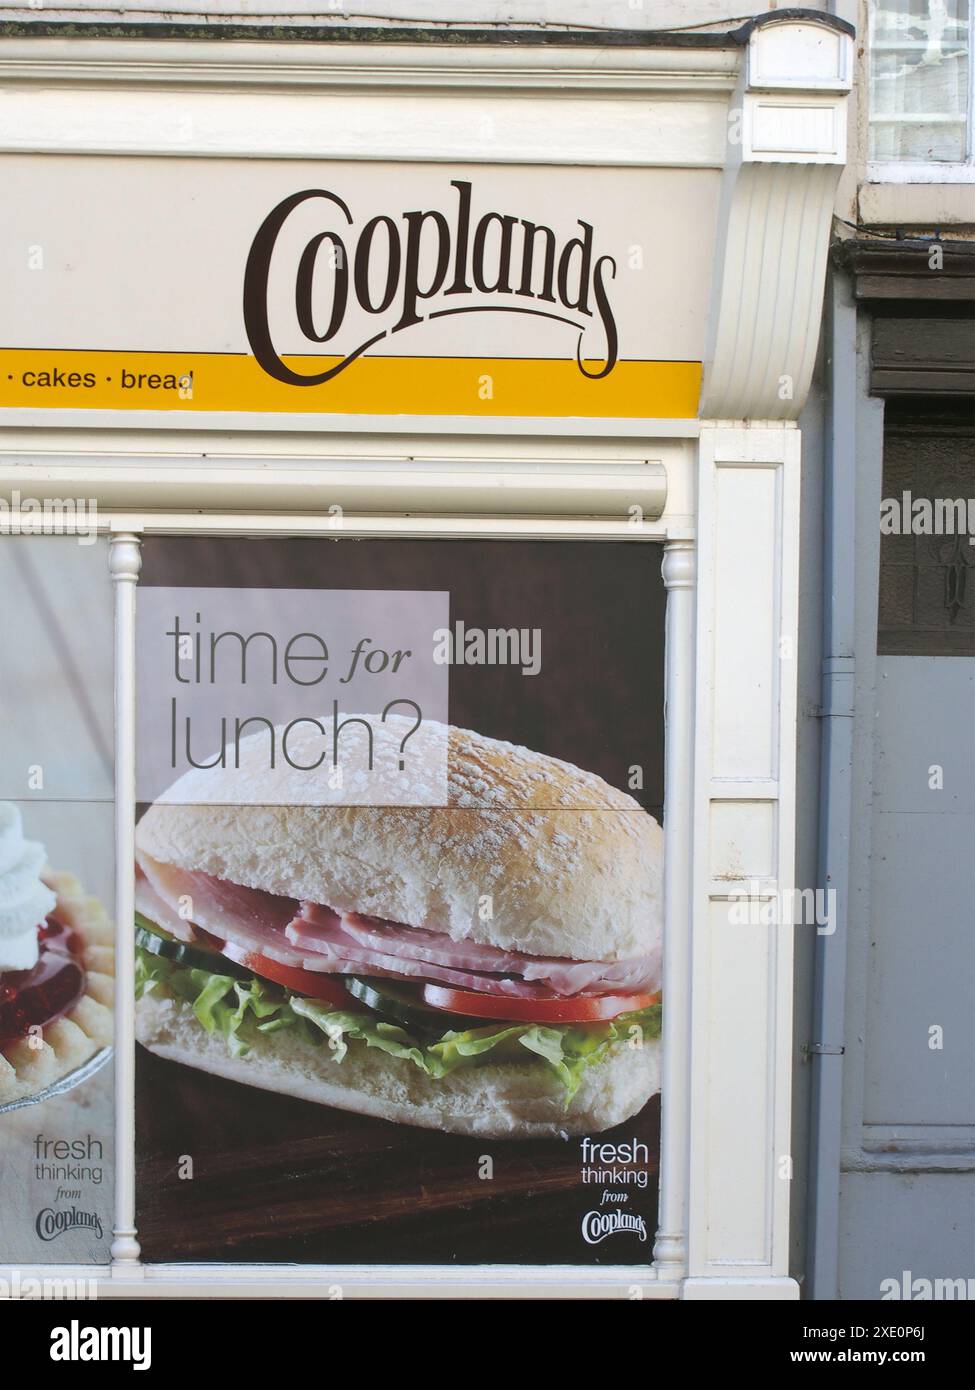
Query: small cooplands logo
x: 52, y: 1222
x: 597, y: 1225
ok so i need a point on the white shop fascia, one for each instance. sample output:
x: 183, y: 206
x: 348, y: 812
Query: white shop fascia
x: 659, y: 217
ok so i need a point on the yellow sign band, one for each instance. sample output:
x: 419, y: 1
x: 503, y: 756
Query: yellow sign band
x: 46, y: 379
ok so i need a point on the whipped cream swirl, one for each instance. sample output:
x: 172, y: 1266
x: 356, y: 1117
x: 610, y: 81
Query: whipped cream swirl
x: 25, y: 900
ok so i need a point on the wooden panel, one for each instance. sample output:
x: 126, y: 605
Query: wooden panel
x: 951, y: 287
x: 741, y: 967
x: 928, y: 355
x: 889, y: 268
x: 922, y: 952
x: 745, y: 653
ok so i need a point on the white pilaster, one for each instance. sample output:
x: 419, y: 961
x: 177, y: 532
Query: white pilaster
x: 742, y: 857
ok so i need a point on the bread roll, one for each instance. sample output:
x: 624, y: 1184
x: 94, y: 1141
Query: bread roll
x: 530, y: 853
x: 497, y: 1100
x: 526, y: 853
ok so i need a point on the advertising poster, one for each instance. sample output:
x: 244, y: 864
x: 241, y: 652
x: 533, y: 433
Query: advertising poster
x: 57, y: 865
x: 398, y: 900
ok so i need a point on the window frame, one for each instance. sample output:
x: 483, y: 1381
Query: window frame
x: 926, y: 171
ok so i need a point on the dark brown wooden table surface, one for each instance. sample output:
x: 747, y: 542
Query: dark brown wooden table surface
x: 282, y: 1180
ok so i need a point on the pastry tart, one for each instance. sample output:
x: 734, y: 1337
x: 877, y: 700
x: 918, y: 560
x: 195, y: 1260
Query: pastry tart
x: 56, y: 1014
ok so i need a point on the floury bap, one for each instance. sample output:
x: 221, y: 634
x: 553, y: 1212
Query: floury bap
x: 489, y: 964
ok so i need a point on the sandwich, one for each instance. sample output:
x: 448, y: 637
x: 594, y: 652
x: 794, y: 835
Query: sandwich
x: 487, y: 966
x: 57, y: 967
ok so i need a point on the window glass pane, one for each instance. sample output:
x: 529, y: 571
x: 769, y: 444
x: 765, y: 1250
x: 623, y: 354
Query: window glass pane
x: 57, y: 869
x: 358, y: 1106
x: 927, y: 593
x: 920, y: 65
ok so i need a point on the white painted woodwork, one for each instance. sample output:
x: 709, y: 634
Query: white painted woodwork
x: 124, y: 563
x: 722, y: 500
x: 786, y: 150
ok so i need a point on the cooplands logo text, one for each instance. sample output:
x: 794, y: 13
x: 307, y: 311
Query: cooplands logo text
x: 597, y: 1225
x: 411, y: 268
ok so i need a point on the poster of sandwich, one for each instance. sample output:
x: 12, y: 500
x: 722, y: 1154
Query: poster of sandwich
x: 399, y: 882
x: 57, y: 865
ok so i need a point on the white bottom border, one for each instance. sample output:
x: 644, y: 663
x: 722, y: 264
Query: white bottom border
x: 632, y: 1283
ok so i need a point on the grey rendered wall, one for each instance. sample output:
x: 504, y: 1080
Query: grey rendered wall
x: 907, y: 1189
x: 896, y: 1188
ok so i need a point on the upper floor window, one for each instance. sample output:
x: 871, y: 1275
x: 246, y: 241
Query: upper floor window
x: 920, y: 83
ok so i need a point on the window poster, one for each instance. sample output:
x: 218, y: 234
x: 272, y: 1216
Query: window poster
x: 57, y: 866
x: 399, y: 884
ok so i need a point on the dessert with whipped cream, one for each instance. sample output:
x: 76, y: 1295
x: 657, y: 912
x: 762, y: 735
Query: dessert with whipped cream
x: 57, y: 966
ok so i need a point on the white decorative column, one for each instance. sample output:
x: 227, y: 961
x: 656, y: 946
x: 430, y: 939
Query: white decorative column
x: 786, y: 150
x: 125, y: 561
x: 670, y: 1248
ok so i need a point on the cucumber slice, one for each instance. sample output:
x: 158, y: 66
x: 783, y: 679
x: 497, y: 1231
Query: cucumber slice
x: 159, y: 943
x: 400, y: 1006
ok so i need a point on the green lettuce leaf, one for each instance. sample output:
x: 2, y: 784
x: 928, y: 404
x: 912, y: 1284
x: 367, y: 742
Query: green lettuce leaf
x: 239, y: 1010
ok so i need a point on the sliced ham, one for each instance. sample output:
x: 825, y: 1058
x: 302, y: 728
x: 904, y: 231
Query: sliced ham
x: 246, y: 916
x: 310, y: 936
x: 417, y: 942
x: 344, y: 955
x: 154, y: 906
x: 557, y: 974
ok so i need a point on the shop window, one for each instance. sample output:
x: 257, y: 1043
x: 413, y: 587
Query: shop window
x: 57, y: 871
x: 927, y: 561
x: 295, y: 655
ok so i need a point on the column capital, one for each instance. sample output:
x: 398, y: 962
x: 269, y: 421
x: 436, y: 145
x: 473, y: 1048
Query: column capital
x: 125, y: 556
x: 679, y: 566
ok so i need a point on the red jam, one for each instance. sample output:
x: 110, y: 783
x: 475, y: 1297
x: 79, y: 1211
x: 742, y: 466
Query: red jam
x: 39, y: 996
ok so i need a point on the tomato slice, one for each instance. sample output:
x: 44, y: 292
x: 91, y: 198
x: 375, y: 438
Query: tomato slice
x: 308, y: 983
x: 582, y: 1008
